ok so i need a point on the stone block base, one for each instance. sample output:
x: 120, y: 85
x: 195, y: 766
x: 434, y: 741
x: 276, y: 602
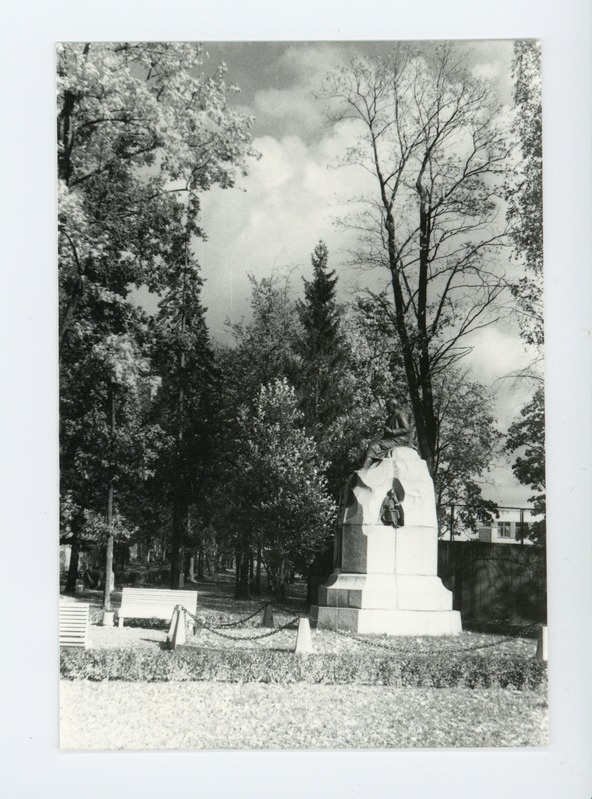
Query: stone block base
x: 386, y: 592
x: 389, y: 622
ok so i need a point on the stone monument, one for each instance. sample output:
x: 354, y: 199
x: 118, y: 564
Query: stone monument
x: 386, y: 550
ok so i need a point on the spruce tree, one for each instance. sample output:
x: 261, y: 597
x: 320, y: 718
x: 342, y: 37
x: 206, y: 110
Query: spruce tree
x: 185, y: 403
x: 320, y: 346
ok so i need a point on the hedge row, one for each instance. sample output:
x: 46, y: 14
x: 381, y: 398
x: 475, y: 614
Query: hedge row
x: 268, y: 666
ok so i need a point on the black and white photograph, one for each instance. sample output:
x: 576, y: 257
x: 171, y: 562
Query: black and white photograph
x: 302, y: 442
x: 297, y: 399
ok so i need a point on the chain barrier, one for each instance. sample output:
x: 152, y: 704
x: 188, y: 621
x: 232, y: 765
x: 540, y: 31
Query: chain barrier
x: 287, y: 611
x: 242, y: 621
x: 409, y: 650
x: 290, y: 625
x: 199, y: 622
x: 252, y: 616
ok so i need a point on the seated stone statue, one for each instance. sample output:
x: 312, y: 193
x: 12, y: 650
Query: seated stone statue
x: 396, y: 434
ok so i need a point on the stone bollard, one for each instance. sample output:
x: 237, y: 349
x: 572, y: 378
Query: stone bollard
x: 179, y: 637
x: 108, y: 619
x: 542, y: 644
x: 172, y: 626
x: 304, y: 639
x: 267, y: 616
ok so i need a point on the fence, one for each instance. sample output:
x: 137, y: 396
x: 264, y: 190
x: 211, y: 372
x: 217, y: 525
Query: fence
x: 493, y: 583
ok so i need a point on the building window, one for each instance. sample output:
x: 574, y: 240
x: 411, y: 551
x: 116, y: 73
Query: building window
x: 504, y: 530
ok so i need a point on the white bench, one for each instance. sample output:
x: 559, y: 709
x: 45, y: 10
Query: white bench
x: 74, y: 618
x: 154, y: 603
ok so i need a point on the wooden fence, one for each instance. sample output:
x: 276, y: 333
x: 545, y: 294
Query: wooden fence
x: 491, y: 582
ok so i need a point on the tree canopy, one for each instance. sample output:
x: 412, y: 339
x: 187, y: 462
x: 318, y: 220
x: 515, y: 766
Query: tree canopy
x: 431, y: 137
x: 240, y: 451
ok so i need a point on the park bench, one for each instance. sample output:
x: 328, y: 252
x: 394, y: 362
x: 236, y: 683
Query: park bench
x: 74, y: 618
x: 154, y: 603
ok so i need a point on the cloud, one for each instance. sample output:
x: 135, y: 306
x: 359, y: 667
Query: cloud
x: 291, y: 199
x: 285, y: 110
x: 291, y: 105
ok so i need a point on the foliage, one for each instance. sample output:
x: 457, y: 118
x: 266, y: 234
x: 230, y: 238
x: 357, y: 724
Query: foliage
x: 273, y: 667
x: 320, y: 347
x: 525, y: 192
x: 265, y: 348
x: 431, y: 138
x: 467, y: 443
x: 92, y: 455
x: 527, y: 434
x: 185, y: 403
x: 140, y: 126
x: 275, y: 494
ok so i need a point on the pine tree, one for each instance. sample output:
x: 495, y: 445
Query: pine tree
x: 185, y: 403
x: 320, y: 346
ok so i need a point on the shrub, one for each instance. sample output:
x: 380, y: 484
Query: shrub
x: 268, y: 666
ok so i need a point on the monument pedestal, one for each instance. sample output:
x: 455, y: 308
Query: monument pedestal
x: 386, y: 578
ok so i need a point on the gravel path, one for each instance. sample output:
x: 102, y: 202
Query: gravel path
x: 112, y: 715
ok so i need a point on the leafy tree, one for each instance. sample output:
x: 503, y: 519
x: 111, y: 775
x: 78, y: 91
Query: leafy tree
x: 265, y: 347
x: 525, y: 192
x: 467, y: 439
x: 431, y: 138
x: 467, y: 444
x: 525, y: 215
x: 138, y: 125
x: 276, y: 494
x: 107, y: 445
x: 528, y: 436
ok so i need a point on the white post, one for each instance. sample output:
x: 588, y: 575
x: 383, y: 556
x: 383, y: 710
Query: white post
x: 179, y: 636
x: 542, y: 645
x: 304, y: 640
x: 172, y: 626
x: 108, y: 619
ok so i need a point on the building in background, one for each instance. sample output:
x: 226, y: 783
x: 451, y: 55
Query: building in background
x: 511, y: 527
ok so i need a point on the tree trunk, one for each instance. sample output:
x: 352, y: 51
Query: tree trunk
x: 179, y: 523
x: 258, y: 572
x: 110, y: 537
x: 200, y: 563
x: 243, y: 557
x: 70, y: 587
x: 277, y: 580
x: 425, y: 435
x: 237, y: 560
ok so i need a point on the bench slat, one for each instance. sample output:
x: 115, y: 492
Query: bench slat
x: 74, y: 620
x: 130, y: 589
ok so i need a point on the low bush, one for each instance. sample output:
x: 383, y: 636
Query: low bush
x: 269, y: 666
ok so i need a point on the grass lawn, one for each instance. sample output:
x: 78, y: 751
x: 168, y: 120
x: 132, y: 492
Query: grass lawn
x: 117, y: 715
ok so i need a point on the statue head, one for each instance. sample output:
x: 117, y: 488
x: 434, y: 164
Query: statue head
x: 393, y: 405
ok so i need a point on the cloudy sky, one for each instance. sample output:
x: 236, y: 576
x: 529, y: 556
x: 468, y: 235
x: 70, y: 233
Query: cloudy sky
x: 294, y: 195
